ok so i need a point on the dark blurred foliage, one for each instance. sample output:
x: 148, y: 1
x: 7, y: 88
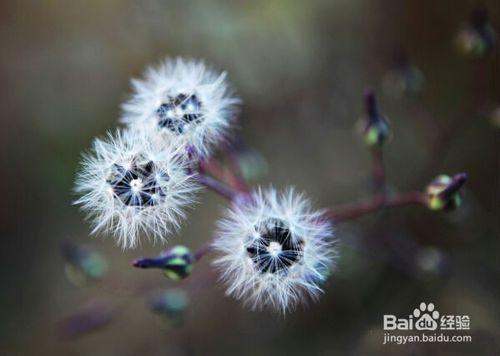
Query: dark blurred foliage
x: 300, y: 67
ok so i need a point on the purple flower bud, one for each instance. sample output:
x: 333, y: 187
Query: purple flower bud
x: 374, y: 126
x: 443, y: 193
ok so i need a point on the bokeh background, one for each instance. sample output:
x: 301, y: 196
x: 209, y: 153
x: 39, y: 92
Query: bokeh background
x: 300, y: 68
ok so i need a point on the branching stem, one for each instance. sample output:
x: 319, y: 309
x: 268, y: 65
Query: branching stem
x: 355, y: 210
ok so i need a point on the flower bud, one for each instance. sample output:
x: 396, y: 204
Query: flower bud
x: 251, y: 163
x: 404, y: 79
x: 443, y: 193
x: 477, y: 38
x: 82, y: 264
x: 177, y: 262
x: 374, y: 126
x: 172, y: 304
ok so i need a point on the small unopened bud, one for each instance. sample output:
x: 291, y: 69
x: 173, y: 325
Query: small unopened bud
x: 251, y: 163
x: 171, y: 304
x: 82, y: 264
x: 176, y: 263
x: 443, y: 193
x: 179, y: 263
x: 403, y: 78
x: 374, y: 126
x: 477, y: 37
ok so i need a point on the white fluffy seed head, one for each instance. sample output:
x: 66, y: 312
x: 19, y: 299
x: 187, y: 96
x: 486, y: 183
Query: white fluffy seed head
x: 128, y: 185
x: 182, y: 100
x: 274, y: 250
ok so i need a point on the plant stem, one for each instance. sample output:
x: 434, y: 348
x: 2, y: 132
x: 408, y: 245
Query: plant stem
x: 230, y: 176
x: 156, y: 262
x: 203, y: 250
x: 214, y: 168
x: 378, y: 171
x: 216, y: 186
x: 355, y: 210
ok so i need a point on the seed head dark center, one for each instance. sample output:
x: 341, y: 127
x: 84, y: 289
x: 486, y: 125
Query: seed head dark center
x: 137, y: 186
x: 179, y: 112
x: 275, y: 250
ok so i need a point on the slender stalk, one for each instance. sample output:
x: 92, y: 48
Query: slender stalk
x: 216, y: 186
x: 231, y: 176
x: 355, y: 210
x: 203, y: 250
x: 239, y: 182
x: 214, y: 168
x: 156, y: 262
x: 378, y: 171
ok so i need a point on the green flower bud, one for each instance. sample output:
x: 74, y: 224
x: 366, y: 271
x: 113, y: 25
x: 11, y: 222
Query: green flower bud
x: 176, y: 263
x: 82, y: 264
x: 252, y: 165
x: 477, y: 38
x: 93, y: 265
x: 376, y: 135
x: 443, y: 193
x: 407, y: 81
x: 374, y: 126
x: 179, y: 263
x: 172, y: 304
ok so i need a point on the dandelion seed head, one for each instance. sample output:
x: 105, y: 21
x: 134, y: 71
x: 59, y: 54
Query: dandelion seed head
x: 274, y: 250
x: 129, y: 185
x: 182, y: 100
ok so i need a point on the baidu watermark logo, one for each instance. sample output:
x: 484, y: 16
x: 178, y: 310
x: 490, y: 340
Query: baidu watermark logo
x: 426, y: 318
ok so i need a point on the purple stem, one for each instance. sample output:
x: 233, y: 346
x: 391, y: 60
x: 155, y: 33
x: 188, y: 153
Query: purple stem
x: 202, y: 251
x: 457, y: 183
x: 378, y: 171
x: 216, y: 186
x: 156, y: 262
x: 370, y: 104
x: 355, y: 210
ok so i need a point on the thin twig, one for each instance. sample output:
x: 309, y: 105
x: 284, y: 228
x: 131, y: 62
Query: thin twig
x: 203, y: 250
x: 355, y: 210
x: 216, y: 186
x: 214, y: 168
x: 378, y: 171
x: 230, y: 176
x: 235, y: 169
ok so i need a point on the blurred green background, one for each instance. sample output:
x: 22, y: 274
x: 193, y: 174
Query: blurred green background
x: 300, y: 68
